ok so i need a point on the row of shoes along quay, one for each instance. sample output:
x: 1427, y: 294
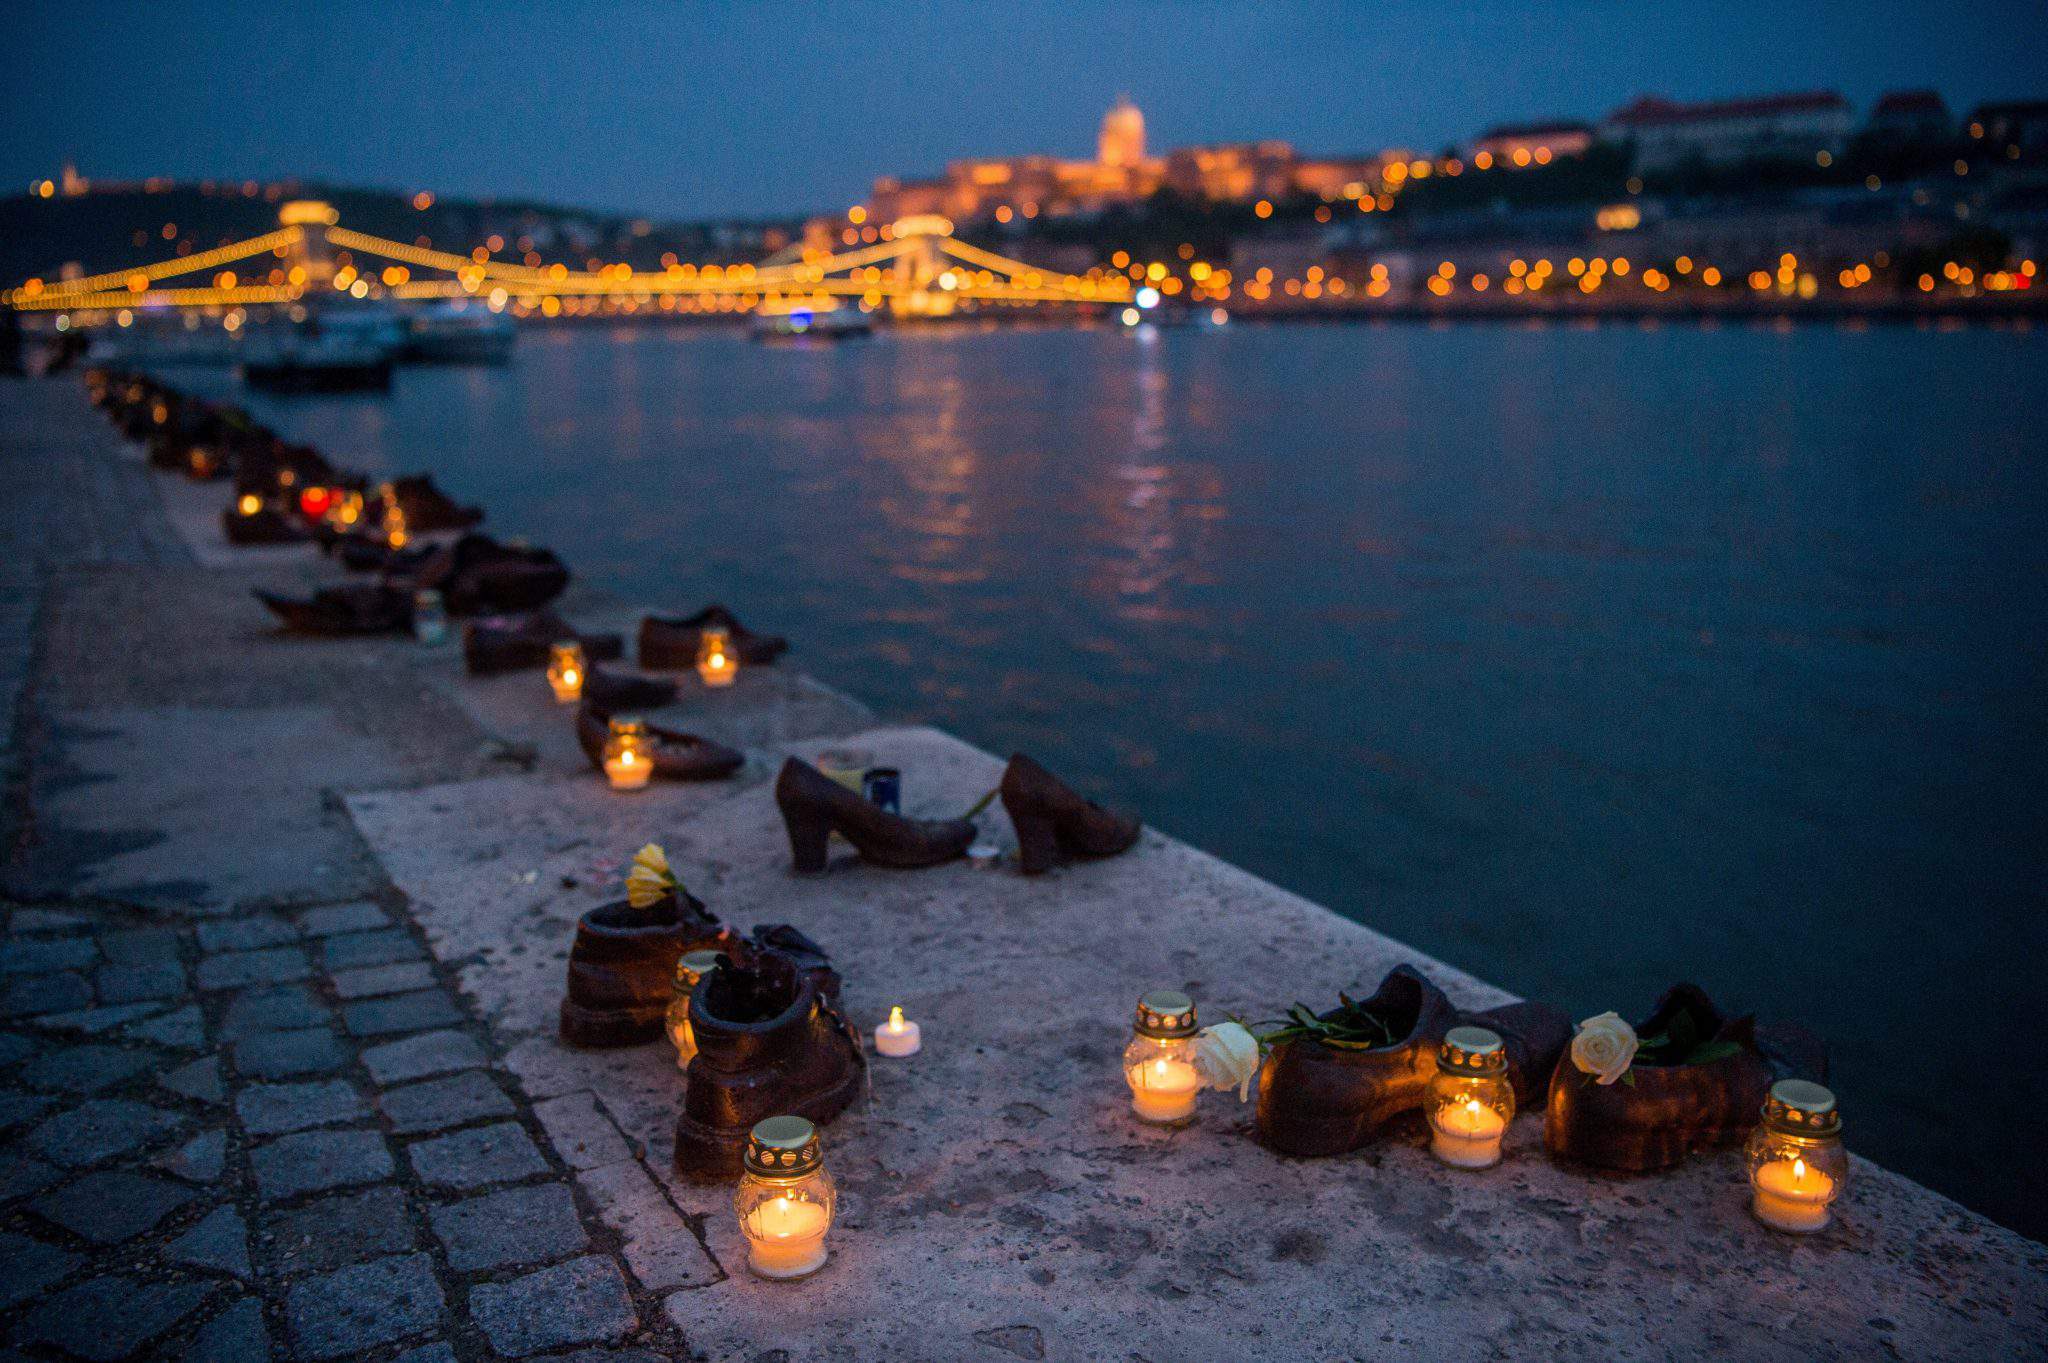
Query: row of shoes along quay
x: 286, y: 1070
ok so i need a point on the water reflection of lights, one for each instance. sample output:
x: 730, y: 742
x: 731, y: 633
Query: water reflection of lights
x: 1141, y: 506
x: 930, y: 521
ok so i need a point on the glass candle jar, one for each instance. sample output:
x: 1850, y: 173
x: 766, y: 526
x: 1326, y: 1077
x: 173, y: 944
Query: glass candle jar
x: 429, y: 617
x: 785, y: 1199
x: 1797, y: 1167
x: 1470, y: 1101
x: 1159, y: 1064
x: 692, y: 968
x: 628, y: 753
x: 717, y: 663
x: 565, y: 671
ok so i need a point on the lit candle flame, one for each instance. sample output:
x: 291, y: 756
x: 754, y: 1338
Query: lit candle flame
x: 570, y: 677
x: 626, y: 758
x: 1798, y: 1171
x: 895, y: 1019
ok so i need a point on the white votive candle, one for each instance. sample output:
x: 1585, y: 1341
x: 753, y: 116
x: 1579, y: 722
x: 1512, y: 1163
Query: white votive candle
x: 629, y: 770
x: 1792, y: 1195
x: 1165, y: 1089
x: 786, y: 1238
x: 898, y: 1038
x: 1467, y: 1135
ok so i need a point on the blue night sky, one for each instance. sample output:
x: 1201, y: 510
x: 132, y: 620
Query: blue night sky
x: 684, y: 111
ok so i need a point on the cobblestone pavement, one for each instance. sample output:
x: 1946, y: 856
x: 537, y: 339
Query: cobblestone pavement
x: 279, y: 1135
x: 275, y: 1132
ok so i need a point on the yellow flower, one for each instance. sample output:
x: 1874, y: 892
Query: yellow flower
x: 650, y: 881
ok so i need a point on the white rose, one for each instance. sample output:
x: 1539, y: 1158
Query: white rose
x: 1604, y: 1047
x: 1227, y: 1056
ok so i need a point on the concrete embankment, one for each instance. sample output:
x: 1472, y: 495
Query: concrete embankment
x: 287, y: 933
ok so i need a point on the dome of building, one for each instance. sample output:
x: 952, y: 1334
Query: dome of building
x: 1123, y: 135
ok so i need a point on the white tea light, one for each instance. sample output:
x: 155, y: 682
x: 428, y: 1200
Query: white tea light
x: 897, y: 1038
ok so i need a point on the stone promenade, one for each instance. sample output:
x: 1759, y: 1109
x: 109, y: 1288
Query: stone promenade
x: 285, y: 930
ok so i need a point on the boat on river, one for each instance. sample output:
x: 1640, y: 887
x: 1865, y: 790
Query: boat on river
x: 327, y: 352
x: 792, y: 319
x: 458, y: 332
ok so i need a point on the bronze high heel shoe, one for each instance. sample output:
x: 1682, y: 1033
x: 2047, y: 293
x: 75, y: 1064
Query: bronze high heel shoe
x: 814, y: 806
x: 1052, y: 820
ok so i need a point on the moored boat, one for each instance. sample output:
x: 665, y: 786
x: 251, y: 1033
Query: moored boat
x: 458, y: 332
x: 794, y: 318
x: 326, y: 353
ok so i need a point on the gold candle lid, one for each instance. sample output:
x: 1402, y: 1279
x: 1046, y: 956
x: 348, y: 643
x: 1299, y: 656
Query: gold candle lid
x: 1799, y: 1107
x: 628, y: 724
x: 783, y: 1147
x: 695, y: 965
x: 1474, y: 1051
x: 1165, y: 1014
x: 567, y: 649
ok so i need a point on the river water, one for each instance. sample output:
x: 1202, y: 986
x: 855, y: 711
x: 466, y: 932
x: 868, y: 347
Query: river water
x: 1588, y: 658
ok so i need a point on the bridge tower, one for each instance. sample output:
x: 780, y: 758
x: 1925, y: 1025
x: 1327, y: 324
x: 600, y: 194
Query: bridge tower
x: 919, y: 268
x: 311, y: 252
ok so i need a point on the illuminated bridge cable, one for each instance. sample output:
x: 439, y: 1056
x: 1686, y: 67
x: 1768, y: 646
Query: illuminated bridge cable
x: 157, y: 298
x: 163, y: 269
x: 430, y: 259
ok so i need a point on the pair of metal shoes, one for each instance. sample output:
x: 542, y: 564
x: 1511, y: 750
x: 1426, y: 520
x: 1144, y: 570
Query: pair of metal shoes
x: 769, y: 1034
x: 1053, y: 823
